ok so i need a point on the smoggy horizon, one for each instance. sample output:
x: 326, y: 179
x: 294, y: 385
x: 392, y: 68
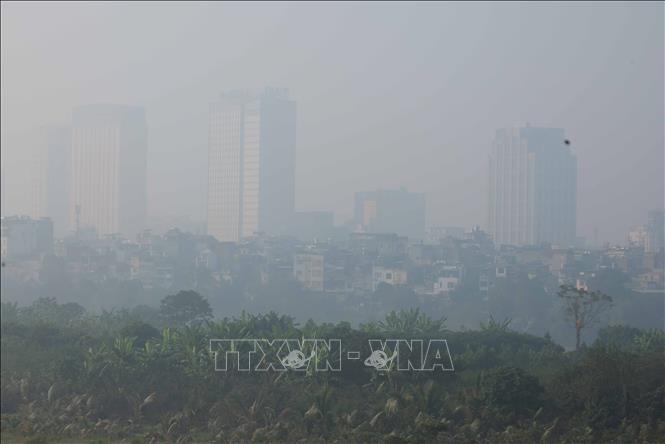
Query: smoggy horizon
x: 382, y: 105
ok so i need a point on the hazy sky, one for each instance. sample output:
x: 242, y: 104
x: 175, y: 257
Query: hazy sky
x: 389, y: 95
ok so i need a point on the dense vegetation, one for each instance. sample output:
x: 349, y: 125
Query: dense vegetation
x: 147, y: 376
x: 530, y: 302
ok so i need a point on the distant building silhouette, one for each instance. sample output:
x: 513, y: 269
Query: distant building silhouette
x: 436, y: 233
x: 532, y: 187
x: 391, y: 211
x: 22, y: 237
x: 3, y: 184
x: 50, y: 176
x: 309, y: 225
x: 251, y: 164
x: 655, y: 232
x: 108, y: 169
x: 308, y: 269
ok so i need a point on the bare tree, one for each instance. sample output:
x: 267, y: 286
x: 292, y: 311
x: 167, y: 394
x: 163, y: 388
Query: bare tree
x: 583, y: 307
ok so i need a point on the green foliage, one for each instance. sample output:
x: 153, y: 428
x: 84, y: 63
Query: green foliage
x: 47, y: 310
x: 184, y: 308
x: 71, y: 377
x: 8, y: 312
x: 620, y: 336
x: 142, y: 332
x: 409, y: 322
x: 650, y: 341
x: 511, y: 390
x: 583, y: 308
x: 496, y: 326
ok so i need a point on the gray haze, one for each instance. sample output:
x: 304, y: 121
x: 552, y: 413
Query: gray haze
x: 388, y: 95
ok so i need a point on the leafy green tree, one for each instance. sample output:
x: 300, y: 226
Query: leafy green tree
x: 48, y: 310
x: 9, y: 312
x: 406, y: 323
x: 620, y: 336
x: 583, y: 308
x: 185, y: 307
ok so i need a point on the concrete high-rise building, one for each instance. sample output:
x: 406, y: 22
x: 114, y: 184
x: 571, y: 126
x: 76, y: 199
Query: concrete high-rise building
x: 308, y: 270
x: 3, y: 188
x: 391, y: 211
x: 655, y: 232
x: 108, y: 169
x: 22, y: 237
x: 50, y: 177
x: 251, y: 164
x: 532, y: 187
x: 638, y: 237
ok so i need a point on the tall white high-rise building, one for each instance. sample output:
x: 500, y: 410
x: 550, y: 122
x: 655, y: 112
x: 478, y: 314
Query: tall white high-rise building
x: 532, y: 187
x: 108, y: 169
x: 251, y: 164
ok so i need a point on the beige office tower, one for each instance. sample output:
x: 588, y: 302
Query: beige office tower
x: 108, y: 169
x: 251, y: 164
x: 532, y: 188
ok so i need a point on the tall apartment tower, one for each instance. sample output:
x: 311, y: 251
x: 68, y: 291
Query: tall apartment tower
x: 655, y: 236
x: 50, y: 177
x: 3, y: 186
x: 251, y: 164
x: 532, y: 188
x: 108, y: 169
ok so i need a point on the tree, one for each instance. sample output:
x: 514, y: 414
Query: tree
x: 619, y: 336
x: 47, y: 309
x: 410, y: 322
x: 185, y: 307
x: 583, y: 308
x: 9, y: 312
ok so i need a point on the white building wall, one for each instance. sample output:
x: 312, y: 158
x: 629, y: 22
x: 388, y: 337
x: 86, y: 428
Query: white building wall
x: 224, y: 170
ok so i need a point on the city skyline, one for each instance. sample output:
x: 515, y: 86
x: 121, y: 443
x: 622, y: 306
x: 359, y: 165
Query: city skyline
x: 231, y: 113
x: 358, y: 186
x: 372, y: 125
x: 240, y: 115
